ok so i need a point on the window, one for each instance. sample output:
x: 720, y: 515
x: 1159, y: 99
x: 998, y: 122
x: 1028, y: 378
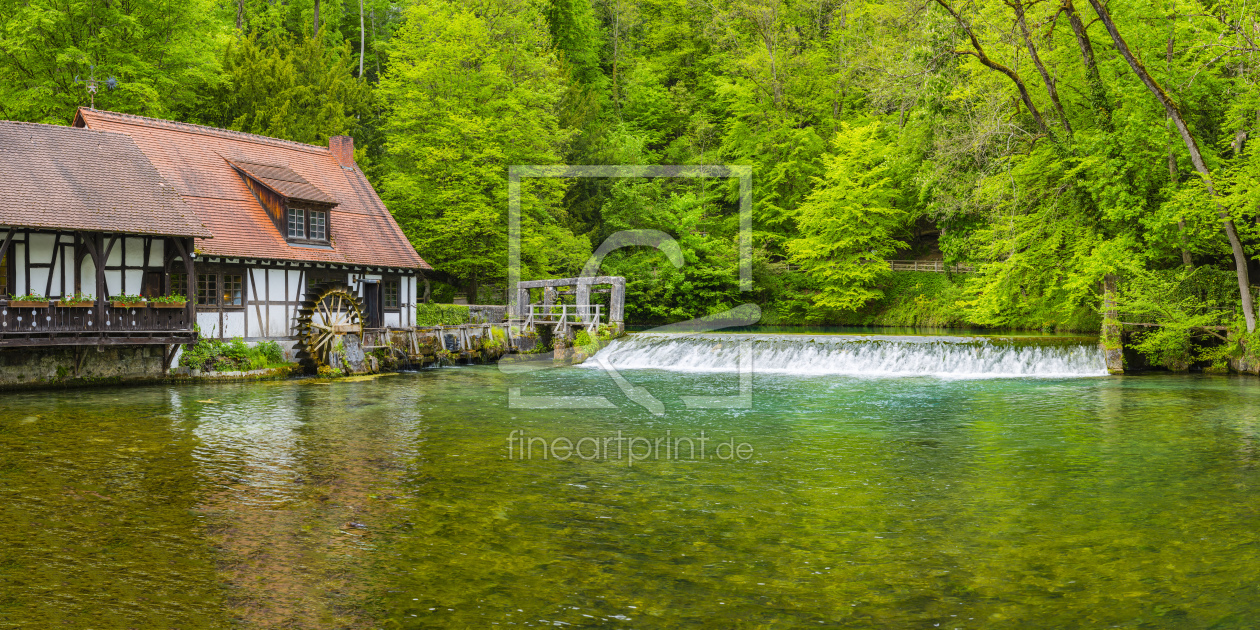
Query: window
x: 179, y: 284
x: 233, y: 294
x: 207, y: 289
x: 307, y: 225
x: 297, y: 223
x: 318, y: 225
x: 391, y: 294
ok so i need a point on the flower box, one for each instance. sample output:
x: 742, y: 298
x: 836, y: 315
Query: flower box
x: 28, y: 303
x: 129, y: 304
x: 75, y: 304
x: 168, y: 304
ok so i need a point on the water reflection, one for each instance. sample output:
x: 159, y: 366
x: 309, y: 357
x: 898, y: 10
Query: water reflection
x: 885, y: 503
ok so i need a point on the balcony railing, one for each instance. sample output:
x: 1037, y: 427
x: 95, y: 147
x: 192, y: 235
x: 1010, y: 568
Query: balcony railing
x: 58, y: 325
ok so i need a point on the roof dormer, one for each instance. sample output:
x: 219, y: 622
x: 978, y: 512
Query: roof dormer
x: 299, y: 210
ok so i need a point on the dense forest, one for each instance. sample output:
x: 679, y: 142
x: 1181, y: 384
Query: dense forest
x: 1057, y: 148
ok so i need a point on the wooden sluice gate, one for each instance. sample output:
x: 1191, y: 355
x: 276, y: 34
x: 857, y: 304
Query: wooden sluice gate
x: 552, y: 323
x: 435, y: 345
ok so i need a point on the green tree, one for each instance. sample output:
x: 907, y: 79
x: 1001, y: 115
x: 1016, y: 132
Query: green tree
x: 471, y: 90
x: 849, y: 223
x: 291, y: 88
x: 161, y: 54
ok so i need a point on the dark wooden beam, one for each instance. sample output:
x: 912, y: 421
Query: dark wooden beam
x: 190, y: 278
x: 56, y: 248
x: 4, y: 248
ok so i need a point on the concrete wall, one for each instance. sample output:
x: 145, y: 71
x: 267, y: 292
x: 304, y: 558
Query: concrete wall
x: 51, y: 366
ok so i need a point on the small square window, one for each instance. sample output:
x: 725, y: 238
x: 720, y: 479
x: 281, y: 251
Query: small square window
x: 319, y: 225
x: 179, y: 284
x: 391, y: 294
x: 207, y: 289
x: 297, y: 223
x: 233, y: 291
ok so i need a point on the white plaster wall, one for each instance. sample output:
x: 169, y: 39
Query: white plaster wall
x: 19, y: 273
x: 156, y: 252
x: 41, y: 246
x: 87, y: 271
x: 39, y: 280
x: 233, y: 324
x: 275, y: 286
x: 296, y: 288
x: 113, y: 282
x: 392, y: 319
x: 209, y: 324
x: 279, y: 324
x: 135, y: 279
x: 115, y: 255
x: 135, y: 255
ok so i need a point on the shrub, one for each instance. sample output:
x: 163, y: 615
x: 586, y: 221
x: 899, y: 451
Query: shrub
x: 441, y: 314
x: 212, y: 355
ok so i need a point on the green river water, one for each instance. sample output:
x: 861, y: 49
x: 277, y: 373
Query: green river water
x: 395, y: 502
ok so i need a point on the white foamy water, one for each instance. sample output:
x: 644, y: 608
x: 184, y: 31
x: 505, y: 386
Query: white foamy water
x: 864, y: 356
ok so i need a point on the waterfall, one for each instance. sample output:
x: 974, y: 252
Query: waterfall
x: 859, y: 355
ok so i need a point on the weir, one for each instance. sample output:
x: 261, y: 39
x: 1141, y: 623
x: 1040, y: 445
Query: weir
x: 861, y: 355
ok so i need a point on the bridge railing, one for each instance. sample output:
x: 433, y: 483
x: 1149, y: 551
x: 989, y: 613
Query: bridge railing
x: 929, y: 265
x: 587, y: 316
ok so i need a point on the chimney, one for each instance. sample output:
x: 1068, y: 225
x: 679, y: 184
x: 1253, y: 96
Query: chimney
x: 342, y: 148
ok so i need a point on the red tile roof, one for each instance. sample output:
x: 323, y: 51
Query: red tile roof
x: 198, y: 160
x: 60, y: 178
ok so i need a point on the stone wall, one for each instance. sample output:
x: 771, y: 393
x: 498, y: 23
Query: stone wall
x: 78, y: 365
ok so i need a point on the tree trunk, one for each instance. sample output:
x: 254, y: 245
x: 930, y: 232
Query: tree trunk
x: 240, y: 13
x: 979, y: 53
x: 1041, y: 68
x: 315, y: 30
x: 1097, y: 92
x: 362, y: 39
x: 1240, y: 257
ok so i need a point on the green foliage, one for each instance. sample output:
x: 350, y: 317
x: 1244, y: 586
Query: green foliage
x: 470, y: 92
x: 168, y: 299
x: 213, y: 355
x: 79, y: 298
x: 127, y: 298
x: 441, y: 314
x: 847, y: 225
x: 869, y: 137
x: 298, y: 89
x: 1188, y: 307
x: 161, y: 54
x: 29, y: 297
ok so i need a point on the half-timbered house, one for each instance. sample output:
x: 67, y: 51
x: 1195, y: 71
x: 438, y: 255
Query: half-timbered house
x: 284, y: 217
x: 84, y: 217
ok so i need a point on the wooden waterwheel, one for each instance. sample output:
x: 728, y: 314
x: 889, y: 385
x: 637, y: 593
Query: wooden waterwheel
x: 331, y: 310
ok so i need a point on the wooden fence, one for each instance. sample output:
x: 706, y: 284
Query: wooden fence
x: 929, y: 265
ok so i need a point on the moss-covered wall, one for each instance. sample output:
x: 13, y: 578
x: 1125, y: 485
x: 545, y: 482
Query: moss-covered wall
x: 82, y: 365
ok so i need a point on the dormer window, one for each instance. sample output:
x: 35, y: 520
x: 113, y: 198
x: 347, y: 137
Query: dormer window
x: 308, y: 225
x: 317, y: 225
x: 297, y: 223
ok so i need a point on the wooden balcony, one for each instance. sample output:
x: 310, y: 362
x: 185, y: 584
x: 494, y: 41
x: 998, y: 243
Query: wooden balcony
x: 95, y: 325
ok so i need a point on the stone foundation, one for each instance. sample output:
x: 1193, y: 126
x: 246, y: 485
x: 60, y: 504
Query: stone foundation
x: 79, y: 365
